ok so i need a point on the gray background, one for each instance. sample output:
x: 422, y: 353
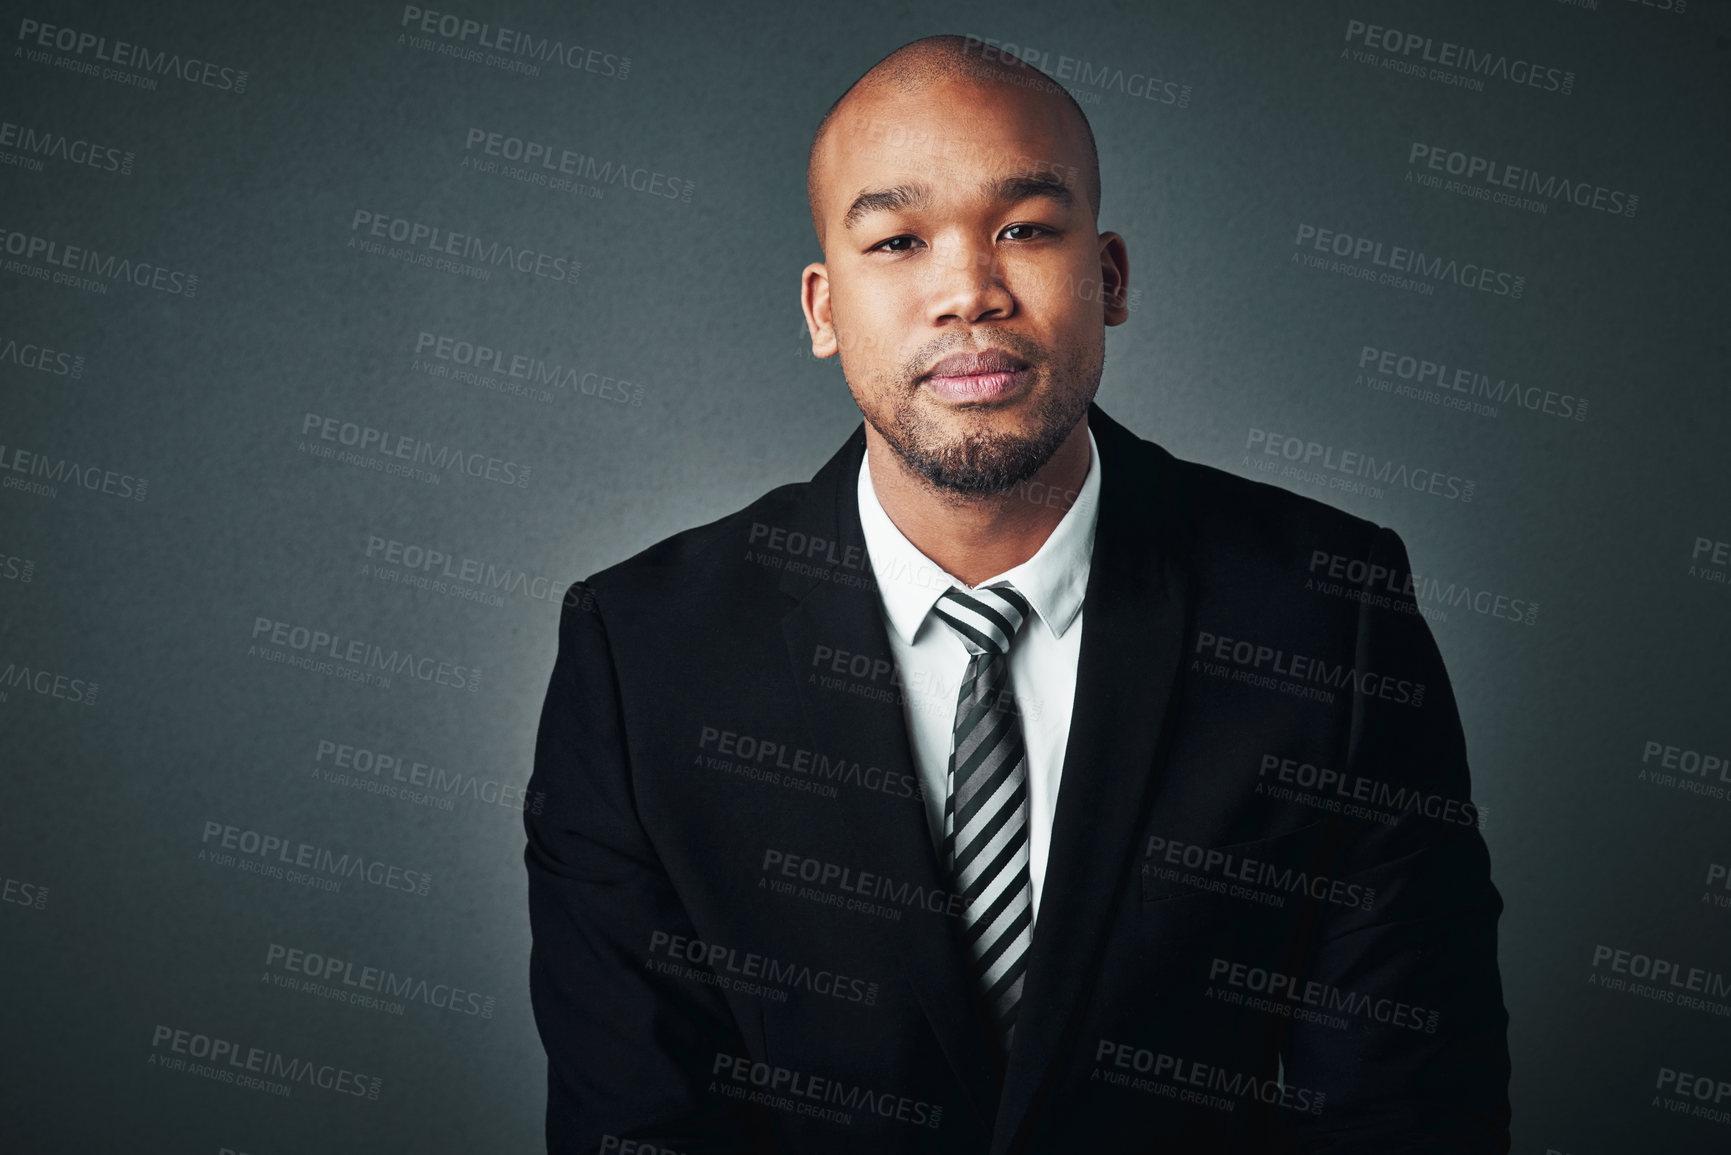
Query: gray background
x: 104, y: 805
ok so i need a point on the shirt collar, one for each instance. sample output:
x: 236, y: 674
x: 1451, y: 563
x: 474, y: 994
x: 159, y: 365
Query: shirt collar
x: 1053, y: 580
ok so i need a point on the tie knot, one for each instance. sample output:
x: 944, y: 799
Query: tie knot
x: 986, y: 619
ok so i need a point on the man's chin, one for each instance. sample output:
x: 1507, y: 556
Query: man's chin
x: 975, y: 466
x: 974, y: 450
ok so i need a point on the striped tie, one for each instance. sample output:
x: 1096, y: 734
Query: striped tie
x: 986, y: 812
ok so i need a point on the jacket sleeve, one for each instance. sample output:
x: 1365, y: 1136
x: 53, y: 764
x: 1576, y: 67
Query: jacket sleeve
x: 1427, y: 1069
x: 630, y: 1050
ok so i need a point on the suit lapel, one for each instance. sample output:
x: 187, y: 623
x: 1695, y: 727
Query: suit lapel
x: 1133, y: 624
x: 888, y: 835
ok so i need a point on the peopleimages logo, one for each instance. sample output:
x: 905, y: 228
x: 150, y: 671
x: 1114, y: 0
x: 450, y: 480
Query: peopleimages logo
x: 359, y: 764
x: 1216, y: 870
x: 271, y: 854
x: 737, y: 970
x: 1439, y: 382
x: 444, y: 571
x: 1688, y: 771
x: 770, y: 754
x: 1404, y: 267
x: 1343, y: 793
x: 544, y: 164
x: 14, y: 568
x: 538, y: 375
x: 44, y: 475
x: 344, y: 980
x: 1710, y: 560
x: 802, y: 1092
x: 431, y: 244
x: 34, y: 355
x: 1081, y: 78
x: 88, y: 46
x: 1459, y: 59
x: 89, y: 269
x: 1702, y: 1088
x: 229, y: 1062
x: 1291, y: 996
x: 20, y: 893
x: 829, y: 878
x: 46, y: 683
x: 1674, y: 975
x: 518, y: 51
x: 1484, y: 178
x: 1403, y: 591
x: 1350, y: 469
x: 1190, y: 1081
x: 316, y: 645
x: 35, y: 145
x: 1257, y: 664
x: 364, y: 439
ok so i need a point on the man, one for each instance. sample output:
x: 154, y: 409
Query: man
x: 1010, y: 786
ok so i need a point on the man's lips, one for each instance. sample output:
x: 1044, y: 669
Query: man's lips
x: 976, y: 364
x: 976, y: 376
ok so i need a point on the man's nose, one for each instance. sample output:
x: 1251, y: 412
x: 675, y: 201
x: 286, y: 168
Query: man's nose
x: 968, y: 285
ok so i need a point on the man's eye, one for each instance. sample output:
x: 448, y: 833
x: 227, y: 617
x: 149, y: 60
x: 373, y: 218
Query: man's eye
x: 1029, y: 232
x: 896, y: 245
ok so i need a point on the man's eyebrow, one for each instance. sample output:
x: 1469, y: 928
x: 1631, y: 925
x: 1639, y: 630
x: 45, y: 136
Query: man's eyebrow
x: 1021, y: 188
x: 1009, y: 189
x: 889, y: 200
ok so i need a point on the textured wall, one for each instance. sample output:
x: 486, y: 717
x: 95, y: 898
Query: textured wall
x: 203, y: 309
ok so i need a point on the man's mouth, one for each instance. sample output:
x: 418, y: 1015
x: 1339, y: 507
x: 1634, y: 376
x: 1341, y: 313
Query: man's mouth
x: 984, y: 376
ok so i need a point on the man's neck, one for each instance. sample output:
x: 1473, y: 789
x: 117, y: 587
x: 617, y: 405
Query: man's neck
x: 975, y: 538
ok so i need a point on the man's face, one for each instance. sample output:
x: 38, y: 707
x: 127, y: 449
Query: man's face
x: 962, y: 281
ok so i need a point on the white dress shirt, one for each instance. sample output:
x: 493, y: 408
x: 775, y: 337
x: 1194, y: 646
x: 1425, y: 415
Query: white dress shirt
x: 932, y: 659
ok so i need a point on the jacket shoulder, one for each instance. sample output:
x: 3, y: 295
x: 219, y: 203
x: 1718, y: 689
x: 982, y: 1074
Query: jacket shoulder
x: 686, y: 564
x: 1233, y: 521
x: 1264, y: 505
x: 1211, y: 507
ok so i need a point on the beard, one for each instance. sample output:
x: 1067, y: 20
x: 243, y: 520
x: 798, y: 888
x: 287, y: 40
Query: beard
x: 983, y: 461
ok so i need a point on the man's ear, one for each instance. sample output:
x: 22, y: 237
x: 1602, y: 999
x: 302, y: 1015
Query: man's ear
x: 814, y: 299
x: 1115, y: 278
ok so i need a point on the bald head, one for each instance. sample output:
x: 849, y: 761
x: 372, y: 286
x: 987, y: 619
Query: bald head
x: 923, y: 69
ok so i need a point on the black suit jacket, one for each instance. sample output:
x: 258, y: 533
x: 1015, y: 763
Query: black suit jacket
x: 1267, y: 923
